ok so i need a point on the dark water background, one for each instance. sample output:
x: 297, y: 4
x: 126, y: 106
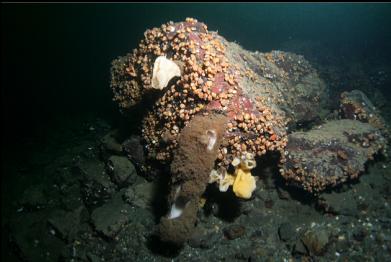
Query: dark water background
x: 56, y: 57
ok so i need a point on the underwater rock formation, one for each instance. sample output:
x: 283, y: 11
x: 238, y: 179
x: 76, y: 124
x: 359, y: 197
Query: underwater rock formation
x: 330, y: 154
x: 260, y: 93
x: 356, y: 105
x: 189, y: 81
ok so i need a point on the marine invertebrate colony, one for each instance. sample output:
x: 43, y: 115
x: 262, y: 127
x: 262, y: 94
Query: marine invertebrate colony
x: 331, y: 154
x: 243, y: 183
x: 213, y: 105
x: 209, y: 82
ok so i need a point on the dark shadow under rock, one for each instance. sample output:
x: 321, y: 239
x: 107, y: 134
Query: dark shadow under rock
x: 156, y: 246
x: 224, y: 205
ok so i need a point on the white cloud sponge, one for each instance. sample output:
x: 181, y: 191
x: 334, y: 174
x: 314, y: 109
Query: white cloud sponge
x: 163, y: 71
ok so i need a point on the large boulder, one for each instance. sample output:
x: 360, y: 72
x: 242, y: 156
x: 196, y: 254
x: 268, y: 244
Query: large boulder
x: 330, y: 154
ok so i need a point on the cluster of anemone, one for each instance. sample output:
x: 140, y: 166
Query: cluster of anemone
x: 188, y: 67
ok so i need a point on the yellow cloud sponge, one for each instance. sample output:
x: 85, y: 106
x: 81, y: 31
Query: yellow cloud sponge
x: 244, y: 183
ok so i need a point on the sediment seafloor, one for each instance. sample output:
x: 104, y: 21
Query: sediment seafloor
x: 87, y: 194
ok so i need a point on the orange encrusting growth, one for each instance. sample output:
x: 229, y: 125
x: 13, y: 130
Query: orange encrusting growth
x: 209, y: 81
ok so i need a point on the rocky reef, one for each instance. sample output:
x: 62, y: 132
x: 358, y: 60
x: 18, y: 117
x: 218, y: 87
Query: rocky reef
x: 261, y: 94
x: 330, y: 154
x: 211, y: 109
x: 357, y: 106
x: 229, y: 155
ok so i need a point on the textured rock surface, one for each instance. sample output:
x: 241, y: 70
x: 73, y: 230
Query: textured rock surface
x: 356, y: 105
x: 265, y: 96
x: 315, y: 241
x: 356, y: 218
x: 261, y: 93
x: 234, y: 231
x: 110, y: 218
x: 96, y: 185
x: 122, y: 171
x: 261, y: 97
x: 330, y: 154
x: 352, y: 222
x: 110, y: 145
x: 67, y: 224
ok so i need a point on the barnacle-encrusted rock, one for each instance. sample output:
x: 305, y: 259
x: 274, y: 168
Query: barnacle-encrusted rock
x: 127, y: 90
x: 221, y: 102
x: 356, y: 105
x: 260, y: 93
x: 331, y: 154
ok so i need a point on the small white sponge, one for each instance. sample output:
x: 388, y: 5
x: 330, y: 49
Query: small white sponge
x: 163, y: 71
